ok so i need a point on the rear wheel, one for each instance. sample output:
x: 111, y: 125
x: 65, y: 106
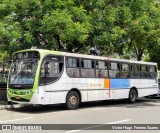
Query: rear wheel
x: 72, y: 100
x: 133, y: 96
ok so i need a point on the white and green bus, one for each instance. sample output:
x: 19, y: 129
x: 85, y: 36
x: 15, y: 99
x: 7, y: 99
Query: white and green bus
x: 46, y: 77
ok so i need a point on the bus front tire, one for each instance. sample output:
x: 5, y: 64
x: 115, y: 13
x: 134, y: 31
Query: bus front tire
x: 133, y: 96
x: 72, y: 100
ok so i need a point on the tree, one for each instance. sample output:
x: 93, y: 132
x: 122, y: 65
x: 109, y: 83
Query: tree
x: 128, y: 28
x: 124, y: 27
x: 107, y: 33
x: 144, y: 29
x: 67, y: 26
x: 48, y: 24
x: 10, y: 30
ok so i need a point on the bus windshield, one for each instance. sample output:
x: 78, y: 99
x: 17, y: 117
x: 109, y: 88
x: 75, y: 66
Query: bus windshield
x: 23, y: 70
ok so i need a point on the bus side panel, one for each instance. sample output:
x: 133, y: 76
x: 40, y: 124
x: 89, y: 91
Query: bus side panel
x: 76, y: 83
x: 94, y: 95
x: 121, y: 93
x: 98, y: 89
x: 35, y: 98
x: 120, y: 83
x: 58, y: 97
x: 40, y: 96
x: 59, y: 90
x: 84, y: 96
x: 95, y: 88
x: 147, y: 92
x: 145, y: 86
x: 120, y: 87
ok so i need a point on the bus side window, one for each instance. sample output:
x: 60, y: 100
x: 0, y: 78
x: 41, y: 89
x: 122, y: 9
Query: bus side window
x: 87, y: 68
x: 152, y: 72
x: 124, y: 70
x: 101, y: 69
x: 72, y: 65
x: 114, y: 69
x: 143, y: 71
x: 134, y: 71
x: 155, y: 72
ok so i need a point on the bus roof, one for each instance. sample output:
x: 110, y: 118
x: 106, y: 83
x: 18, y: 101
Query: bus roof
x: 45, y: 52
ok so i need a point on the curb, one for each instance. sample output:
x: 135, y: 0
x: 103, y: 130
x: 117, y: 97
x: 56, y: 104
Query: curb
x: 2, y: 107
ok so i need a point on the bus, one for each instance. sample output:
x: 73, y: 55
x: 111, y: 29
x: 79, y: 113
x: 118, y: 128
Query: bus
x: 44, y: 77
x: 158, y: 79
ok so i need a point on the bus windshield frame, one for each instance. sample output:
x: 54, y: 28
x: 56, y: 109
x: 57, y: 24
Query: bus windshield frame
x: 23, y: 70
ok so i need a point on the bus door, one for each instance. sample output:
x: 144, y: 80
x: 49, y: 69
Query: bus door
x: 51, y: 70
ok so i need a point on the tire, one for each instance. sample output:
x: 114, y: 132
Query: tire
x: 133, y: 96
x: 72, y: 100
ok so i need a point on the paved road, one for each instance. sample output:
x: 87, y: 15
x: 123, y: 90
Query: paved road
x: 145, y: 111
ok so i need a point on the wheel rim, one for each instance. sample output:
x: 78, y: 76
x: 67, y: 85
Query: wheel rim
x: 73, y: 101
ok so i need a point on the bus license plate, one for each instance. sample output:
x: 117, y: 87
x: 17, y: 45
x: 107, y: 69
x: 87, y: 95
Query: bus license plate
x: 17, y: 97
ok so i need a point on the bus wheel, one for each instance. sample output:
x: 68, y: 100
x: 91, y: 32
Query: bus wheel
x: 133, y: 96
x: 72, y: 100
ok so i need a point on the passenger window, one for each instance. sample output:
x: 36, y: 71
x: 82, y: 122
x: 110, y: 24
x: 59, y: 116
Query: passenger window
x: 143, y: 71
x: 124, y: 70
x: 101, y: 69
x: 114, y: 69
x: 142, y: 68
x: 152, y: 72
x: 134, y: 71
x: 125, y: 67
x: 73, y: 67
x: 87, y: 68
x: 151, y: 69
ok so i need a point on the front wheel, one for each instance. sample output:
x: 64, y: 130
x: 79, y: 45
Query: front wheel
x: 72, y: 100
x: 133, y: 96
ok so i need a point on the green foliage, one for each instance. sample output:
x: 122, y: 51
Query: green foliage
x: 65, y: 25
x: 127, y: 28
x: 48, y: 24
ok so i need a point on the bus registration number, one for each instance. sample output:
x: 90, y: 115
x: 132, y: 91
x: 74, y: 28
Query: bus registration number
x: 17, y: 97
